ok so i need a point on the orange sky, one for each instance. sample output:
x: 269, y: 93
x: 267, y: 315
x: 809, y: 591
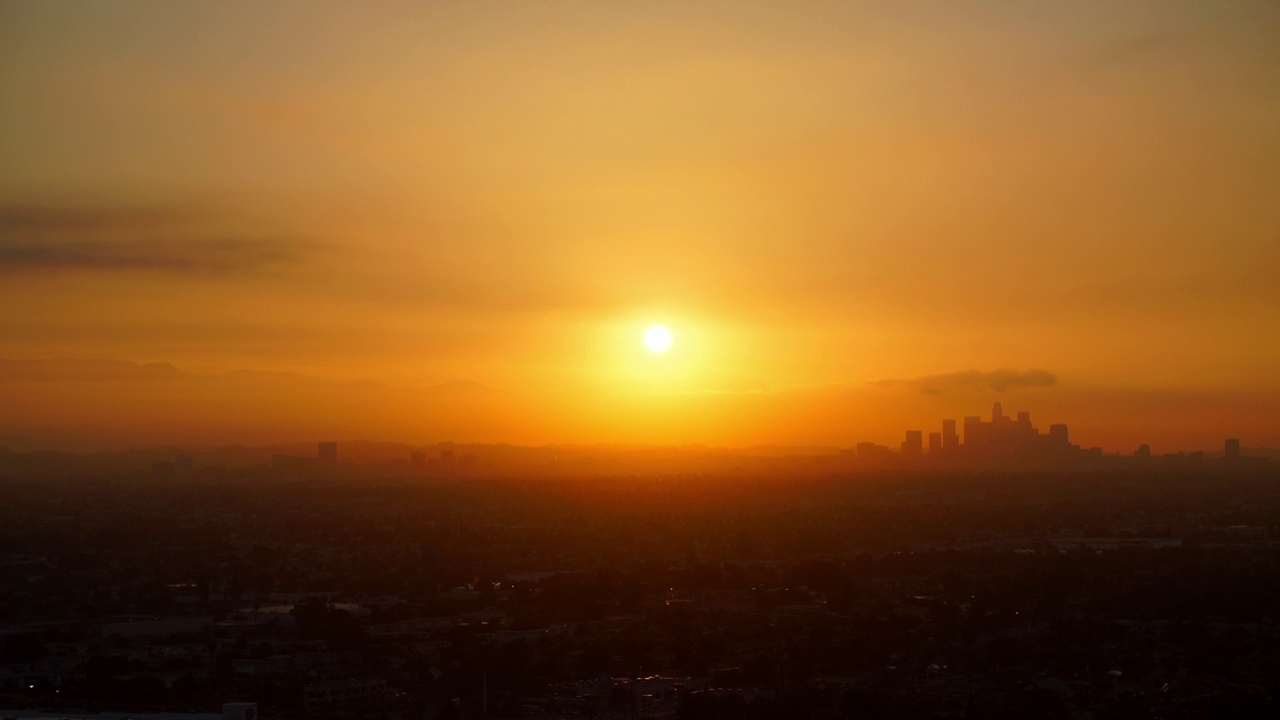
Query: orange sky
x: 816, y: 198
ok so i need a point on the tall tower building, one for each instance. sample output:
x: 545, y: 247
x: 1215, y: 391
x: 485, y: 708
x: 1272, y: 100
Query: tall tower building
x: 1058, y: 434
x: 1231, y: 450
x: 913, y: 445
x: 973, y: 431
x: 997, y: 413
x: 949, y: 438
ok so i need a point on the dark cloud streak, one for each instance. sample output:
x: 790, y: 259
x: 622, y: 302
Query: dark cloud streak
x: 218, y: 256
x: 144, y: 238
x: 974, y: 380
x: 45, y: 219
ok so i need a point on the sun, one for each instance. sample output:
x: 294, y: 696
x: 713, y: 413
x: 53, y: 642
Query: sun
x: 657, y: 338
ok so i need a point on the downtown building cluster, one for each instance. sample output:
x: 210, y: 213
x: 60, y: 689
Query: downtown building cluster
x: 1002, y: 439
x: 1006, y: 442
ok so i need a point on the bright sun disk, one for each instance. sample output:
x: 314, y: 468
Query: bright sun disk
x: 657, y: 338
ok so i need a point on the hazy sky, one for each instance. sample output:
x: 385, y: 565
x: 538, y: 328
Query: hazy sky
x: 825, y: 202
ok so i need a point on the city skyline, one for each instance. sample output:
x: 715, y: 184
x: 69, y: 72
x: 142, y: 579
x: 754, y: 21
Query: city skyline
x: 1003, y: 443
x: 122, y: 405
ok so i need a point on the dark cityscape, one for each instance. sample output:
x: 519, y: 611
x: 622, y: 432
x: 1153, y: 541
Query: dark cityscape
x: 996, y: 574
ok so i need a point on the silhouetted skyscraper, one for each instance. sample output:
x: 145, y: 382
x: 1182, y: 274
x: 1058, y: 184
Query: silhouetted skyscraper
x: 1231, y: 450
x: 973, y: 431
x: 1058, y: 434
x: 949, y: 438
x: 935, y: 443
x: 997, y: 413
x: 913, y: 445
x: 328, y: 453
x: 1144, y: 451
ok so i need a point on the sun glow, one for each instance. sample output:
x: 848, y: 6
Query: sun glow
x: 657, y: 338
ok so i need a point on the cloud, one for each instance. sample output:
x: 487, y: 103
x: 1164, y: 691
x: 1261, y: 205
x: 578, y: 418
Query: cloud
x: 44, y: 238
x: 219, y: 256
x: 26, y: 219
x: 974, y: 380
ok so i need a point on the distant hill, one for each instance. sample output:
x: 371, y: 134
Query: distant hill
x: 80, y: 370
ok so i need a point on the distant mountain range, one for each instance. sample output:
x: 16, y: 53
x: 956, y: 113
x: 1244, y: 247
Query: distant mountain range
x: 80, y: 370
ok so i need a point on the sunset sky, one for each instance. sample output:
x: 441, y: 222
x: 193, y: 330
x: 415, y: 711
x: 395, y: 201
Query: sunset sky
x: 457, y: 220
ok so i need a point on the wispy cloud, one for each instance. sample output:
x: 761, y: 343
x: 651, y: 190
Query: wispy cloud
x: 974, y: 380
x: 45, y: 238
x: 227, y: 255
x: 28, y: 219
